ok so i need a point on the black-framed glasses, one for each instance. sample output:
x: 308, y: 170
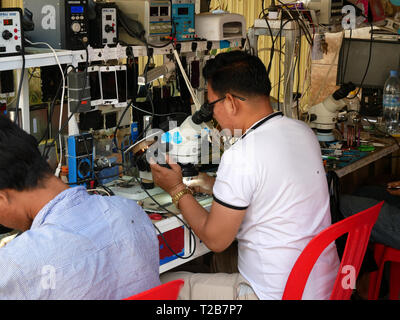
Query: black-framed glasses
x: 206, y: 111
x: 211, y: 104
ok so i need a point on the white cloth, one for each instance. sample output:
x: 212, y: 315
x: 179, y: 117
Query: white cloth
x: 275, y: 172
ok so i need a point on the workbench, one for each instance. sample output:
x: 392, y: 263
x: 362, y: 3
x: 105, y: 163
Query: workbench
x: 172, y: 223
x: 389, y: 146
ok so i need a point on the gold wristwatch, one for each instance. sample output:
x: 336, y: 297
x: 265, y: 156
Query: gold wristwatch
x: 179, y: 195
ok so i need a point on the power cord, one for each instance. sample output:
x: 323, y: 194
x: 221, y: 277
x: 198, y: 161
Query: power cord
x: 192, y: 236
x: 62, y: 127
x: 52, y: 106
x: 368, y: 63
x: 21, y: 80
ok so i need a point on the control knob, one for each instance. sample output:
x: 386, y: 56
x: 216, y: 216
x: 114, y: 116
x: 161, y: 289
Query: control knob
x: 76, y: 27
x: 109, y: 28
x: 7, y: 35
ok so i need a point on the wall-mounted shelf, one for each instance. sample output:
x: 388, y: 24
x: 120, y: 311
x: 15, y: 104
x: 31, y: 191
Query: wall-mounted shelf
x: 37, y: 57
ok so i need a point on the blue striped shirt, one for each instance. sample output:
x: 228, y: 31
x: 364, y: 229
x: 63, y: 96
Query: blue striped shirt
x: 82, y: 246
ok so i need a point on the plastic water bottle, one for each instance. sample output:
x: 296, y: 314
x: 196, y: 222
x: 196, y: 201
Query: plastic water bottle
x: 391, y: 103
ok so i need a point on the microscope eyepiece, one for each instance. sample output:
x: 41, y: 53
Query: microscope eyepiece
x: 205, y: 114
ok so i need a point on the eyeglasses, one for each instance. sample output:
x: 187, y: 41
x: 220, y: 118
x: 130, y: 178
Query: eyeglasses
x: 211, y: 104
x: 206, y: 111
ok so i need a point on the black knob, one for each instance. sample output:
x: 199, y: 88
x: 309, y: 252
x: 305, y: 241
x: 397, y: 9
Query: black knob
x: 7, y: 34
x: 109, y: 28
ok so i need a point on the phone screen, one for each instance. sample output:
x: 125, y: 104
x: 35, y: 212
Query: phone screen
x: 122, y: 85
x: 108, y: 84
x: 95, y: 91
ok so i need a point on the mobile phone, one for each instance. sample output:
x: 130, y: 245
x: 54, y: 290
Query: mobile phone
x: 122, y: 86
x: 108, y: 77
x: 95, y: 85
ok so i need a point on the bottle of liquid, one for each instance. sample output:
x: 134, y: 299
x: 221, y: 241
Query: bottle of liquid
x: 64, y: 174
x: 391, y: 103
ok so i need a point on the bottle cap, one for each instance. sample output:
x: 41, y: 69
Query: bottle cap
x: 393, y: 73
x: 64, y: 169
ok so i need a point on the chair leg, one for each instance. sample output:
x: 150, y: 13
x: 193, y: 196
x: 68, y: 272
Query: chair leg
x: 376, y: 276
x: 375, y: 284
x: 394, y: 281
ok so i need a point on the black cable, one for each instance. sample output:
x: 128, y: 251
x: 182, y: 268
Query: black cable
x: 141, y: 36
x: 79, y: 102
x: 272, y: 38
x: 175, y: 215
x: 130, y: 104
x: 368, y: 63
x: 133, y: 100
x: 279, y: 72
x: 303, y: 26
x: 51, y: 111
x: 347, y: 56
x: 21, y: 80
x: 279, y: 34
x: 173, y: 251
x: 161, y: 115
x: 298, y: 80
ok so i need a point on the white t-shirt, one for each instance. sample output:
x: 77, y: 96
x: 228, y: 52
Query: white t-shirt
x: 275, y: 171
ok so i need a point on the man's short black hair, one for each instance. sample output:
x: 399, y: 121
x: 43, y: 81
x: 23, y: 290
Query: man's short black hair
x: 237, y: 72
x: 22, y: 167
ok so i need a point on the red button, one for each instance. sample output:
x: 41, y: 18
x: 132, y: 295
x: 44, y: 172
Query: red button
x: 15, y: 30
x: 16, y: 37
x: 155, y: 216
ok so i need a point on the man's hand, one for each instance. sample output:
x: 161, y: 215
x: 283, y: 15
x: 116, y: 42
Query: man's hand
x: 203, y: 183
x: 170, y: 180
x: 394, y: 188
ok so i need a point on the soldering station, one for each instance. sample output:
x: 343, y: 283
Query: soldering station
x: 120, y: 82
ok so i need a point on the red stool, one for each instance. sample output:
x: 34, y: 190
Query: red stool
x: 384, y: 254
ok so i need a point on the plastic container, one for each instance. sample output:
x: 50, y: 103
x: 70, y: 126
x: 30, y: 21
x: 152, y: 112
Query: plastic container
x: 391, y: 103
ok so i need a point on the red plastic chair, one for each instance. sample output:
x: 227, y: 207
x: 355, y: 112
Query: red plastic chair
x: 384, y: 254
x: 358, y: 227
x: 166, y: 291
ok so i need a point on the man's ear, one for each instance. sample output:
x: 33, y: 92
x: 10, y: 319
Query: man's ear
x: 4, y: 199
x: 232, y: 105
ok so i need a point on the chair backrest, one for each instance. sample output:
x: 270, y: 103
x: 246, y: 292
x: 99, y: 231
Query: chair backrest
x: 166, y: 291
x: 358, y: 227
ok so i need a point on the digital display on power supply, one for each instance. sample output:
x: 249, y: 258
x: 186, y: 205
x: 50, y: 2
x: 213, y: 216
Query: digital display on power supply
x: 183, y: 11
x: 153, y: 11
x: 76, y: 9
x: 164, y: 11
x: 8, y: 22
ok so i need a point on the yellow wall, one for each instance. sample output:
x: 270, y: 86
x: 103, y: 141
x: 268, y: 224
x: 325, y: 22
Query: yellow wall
x: 12, y: 3
x: 251, y: 9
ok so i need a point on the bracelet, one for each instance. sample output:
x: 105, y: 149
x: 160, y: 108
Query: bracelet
x: 179, y: 195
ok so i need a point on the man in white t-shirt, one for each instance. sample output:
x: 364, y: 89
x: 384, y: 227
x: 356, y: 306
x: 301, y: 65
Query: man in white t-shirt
x: 270, y: 192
